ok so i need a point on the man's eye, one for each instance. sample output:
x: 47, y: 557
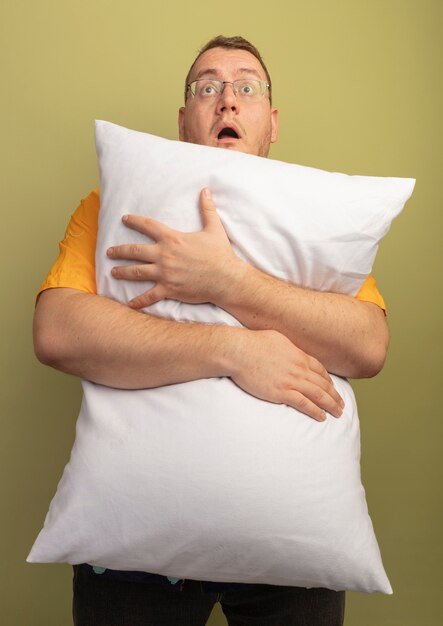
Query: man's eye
x: 208, y: 90
x: 247, y: 89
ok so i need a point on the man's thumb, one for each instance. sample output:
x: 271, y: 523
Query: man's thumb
x: 207, y: 208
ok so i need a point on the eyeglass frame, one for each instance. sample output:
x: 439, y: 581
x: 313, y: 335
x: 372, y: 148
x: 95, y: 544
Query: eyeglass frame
x: 229, y: 82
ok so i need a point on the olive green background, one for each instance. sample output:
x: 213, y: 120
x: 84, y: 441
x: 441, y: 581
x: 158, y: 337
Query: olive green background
x: 358, y: 85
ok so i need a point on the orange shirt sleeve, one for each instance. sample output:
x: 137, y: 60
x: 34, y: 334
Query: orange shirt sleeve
x: 369, y: 293
x: 75, y: 265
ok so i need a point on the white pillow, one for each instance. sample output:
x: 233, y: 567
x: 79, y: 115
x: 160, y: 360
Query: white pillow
x: 202, y: 480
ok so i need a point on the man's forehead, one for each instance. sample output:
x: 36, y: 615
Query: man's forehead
x: 227, y: 64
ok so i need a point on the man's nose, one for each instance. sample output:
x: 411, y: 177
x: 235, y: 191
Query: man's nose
x: 227, y: 99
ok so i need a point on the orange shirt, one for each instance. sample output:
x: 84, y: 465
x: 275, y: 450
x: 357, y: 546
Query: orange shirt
x: 75, y: 265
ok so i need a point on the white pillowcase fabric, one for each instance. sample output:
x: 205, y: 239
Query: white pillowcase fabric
x: 202, y: 480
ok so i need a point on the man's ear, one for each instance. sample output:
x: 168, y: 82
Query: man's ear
x: 274, y: 124
x: 181, y: 123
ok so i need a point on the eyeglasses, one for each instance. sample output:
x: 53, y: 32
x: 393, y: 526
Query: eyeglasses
x: 248, y: 89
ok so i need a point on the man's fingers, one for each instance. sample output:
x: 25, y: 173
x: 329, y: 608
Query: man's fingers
x: 319, y: 387
x: 147, y: 298
x: 335, y: 402
x: 145, y: 225
x: 324, y: 397
x: 133, y: 252
x: 300, y: 402
x: 313, y: 401
x: 208, y: 211
x: 135, y: 272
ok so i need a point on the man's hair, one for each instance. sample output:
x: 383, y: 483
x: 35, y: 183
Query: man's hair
x: 230, y: 43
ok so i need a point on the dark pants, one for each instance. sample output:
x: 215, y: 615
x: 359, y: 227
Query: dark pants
x: 102, y: 602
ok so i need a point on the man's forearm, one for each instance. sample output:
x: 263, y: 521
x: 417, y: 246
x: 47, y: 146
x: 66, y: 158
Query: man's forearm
x: 349, y: 337
x: 101, y: 340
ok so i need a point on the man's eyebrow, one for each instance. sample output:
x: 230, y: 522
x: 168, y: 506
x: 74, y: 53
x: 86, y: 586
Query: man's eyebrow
x: 210, y: 71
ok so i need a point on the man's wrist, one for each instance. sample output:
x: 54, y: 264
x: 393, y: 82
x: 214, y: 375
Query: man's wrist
x: 234, y: 277
x: 229, y: 343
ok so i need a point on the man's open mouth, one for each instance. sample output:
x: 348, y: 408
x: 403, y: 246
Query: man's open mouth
x: 228, y: 132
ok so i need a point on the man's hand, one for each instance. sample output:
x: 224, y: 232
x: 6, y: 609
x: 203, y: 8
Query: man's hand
x: 270, y: 367
x: 190, y: 267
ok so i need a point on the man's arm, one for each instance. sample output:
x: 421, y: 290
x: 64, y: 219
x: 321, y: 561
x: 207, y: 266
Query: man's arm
x: 349, y: 337
x: 108, y: 343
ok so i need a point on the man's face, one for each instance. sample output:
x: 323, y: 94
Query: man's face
x: 202, y: 121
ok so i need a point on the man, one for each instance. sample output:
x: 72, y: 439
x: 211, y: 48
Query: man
x: 292, y: 338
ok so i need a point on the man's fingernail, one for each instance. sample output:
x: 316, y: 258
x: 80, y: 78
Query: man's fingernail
x: 207, y: 193
x: 110, y: 251
x: 125, y: 218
